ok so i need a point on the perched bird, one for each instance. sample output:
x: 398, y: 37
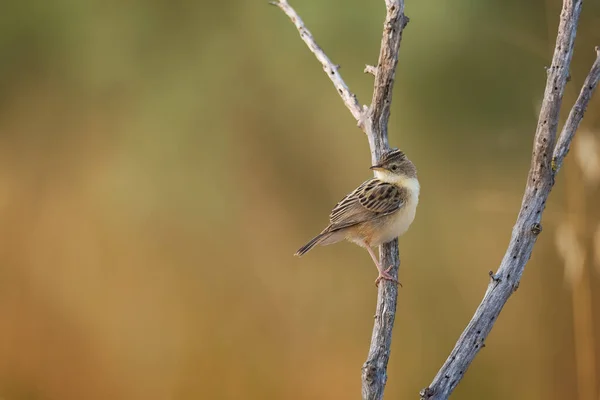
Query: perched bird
x: 377, y: 211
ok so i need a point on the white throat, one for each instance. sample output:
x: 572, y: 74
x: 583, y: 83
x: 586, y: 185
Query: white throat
x: 402, y: 180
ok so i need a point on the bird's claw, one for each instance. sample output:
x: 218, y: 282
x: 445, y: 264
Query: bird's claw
x: 386, y: 275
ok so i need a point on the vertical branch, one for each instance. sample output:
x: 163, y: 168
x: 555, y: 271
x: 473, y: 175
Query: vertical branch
x: 374, y: 371
x: 385, y: 72
x: 375, y: 124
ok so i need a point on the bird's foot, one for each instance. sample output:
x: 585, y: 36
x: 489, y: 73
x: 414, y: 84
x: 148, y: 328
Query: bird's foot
x: 385, y: 274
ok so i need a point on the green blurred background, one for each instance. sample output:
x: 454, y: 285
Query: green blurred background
x: 161, y: 161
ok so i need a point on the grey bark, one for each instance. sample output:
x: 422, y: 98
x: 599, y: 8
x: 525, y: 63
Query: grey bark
x: 545, y: 162
x: 373, y: 120
x: 576, y: 115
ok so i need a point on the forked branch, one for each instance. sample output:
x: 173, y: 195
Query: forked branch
x: 373, y: 121
x: 576, y: 115
x: 545, y: 163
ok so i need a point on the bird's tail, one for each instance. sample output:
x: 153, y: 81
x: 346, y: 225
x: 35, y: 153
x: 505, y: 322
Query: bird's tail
x: 321, y: 237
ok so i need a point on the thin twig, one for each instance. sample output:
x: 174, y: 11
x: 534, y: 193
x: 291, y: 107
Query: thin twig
x: 374, y: 375
x: 576, y: 114
x: 369, y: 69
x: 329, y: 67
x: 527, y: 227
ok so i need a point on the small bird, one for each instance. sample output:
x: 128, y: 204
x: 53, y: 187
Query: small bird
x: 377, y: 211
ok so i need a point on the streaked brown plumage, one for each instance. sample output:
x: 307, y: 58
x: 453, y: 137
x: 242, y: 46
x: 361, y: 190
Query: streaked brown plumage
x: 376, y: 212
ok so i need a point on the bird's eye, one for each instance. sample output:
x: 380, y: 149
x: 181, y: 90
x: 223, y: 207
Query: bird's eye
x: 394, y: 167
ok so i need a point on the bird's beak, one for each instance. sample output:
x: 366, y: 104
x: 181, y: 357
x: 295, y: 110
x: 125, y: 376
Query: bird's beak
x: 377, y: 168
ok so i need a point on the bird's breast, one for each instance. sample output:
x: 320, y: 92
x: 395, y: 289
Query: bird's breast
x: 397, y: 223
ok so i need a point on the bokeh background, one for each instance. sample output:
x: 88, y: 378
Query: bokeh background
x: 161, y: 161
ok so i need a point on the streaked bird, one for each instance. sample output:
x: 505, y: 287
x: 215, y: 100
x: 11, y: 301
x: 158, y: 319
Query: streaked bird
x: 376, y: 212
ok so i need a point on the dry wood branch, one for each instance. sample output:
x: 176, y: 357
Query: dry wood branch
x: 527, y: 227
x: 329, y: 67
x: 576, y: 114
x: 369, y: 69
x: 374, y: 371
x: 395, y: 22
x: 374, y: 375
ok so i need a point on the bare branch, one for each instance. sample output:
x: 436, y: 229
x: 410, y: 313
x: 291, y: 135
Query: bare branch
x: 576, y: 114
x: 524, y: 235
x: 394, y: 25
x: 374, y: 371
x: 374, y: 124
x: 329, y: 67
x: 369, y: 69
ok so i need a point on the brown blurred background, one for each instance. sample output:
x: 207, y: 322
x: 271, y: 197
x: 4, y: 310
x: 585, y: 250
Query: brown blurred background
x: 161, y: 161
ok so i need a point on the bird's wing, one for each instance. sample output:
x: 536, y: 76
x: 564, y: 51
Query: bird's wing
x: 372, y: 199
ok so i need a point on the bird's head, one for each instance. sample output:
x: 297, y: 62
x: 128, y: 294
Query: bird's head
x: 395, y: 167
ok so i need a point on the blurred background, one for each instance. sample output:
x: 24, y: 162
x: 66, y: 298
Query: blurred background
x: 161, y: 161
